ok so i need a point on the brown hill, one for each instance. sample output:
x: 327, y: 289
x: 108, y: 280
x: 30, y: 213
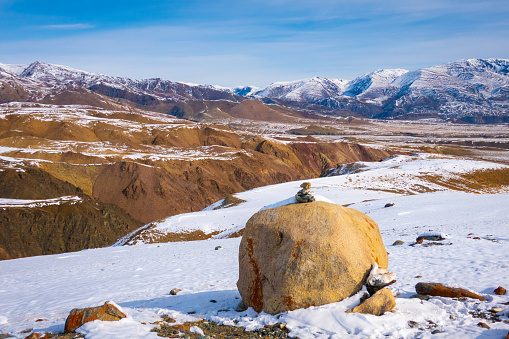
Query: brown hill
x: 132, y: 168
x: 48, y: 229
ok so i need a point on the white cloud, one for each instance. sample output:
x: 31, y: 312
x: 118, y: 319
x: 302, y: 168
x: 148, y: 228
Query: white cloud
x: 68, y: 27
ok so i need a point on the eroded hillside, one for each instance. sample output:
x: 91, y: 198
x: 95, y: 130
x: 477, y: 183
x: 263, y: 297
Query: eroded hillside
x: 131, y: 168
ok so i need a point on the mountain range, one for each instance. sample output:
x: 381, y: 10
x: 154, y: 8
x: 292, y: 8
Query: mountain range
x: 473, y: 91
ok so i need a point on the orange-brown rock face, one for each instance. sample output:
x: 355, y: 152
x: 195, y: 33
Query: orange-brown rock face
x: 303, y: 255
x: 81, y: 316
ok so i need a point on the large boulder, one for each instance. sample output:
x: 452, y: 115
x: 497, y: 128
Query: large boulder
x: 303, y: 255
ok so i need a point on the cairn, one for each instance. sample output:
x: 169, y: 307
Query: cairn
x: 304, y: 195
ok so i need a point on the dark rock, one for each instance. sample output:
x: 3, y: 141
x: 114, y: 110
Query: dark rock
x: 389, y: 205
x: 175, y: 291
x: 439, y: 290
x: 398, y: 242
x: 431, y: 237
x: 436, y: 332
x: 218, y: 248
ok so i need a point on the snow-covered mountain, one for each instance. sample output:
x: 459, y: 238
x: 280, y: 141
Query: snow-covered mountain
x: 50, y: 79
x: 308, y: 90
x: 473, y: 90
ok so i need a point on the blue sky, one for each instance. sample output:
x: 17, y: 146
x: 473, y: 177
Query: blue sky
x: 250, y: 42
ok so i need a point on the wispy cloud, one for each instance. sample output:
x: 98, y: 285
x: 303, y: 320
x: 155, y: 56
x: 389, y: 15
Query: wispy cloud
x: 68, y: 27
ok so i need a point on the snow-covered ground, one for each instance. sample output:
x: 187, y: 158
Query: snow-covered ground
x: 39, y: 292
x: 10, y: 203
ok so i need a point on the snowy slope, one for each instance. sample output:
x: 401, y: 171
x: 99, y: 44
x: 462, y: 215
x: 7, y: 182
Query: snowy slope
x: 39, y: 292
x: 395, y: 176
x: 375, y: 86
x: 307, y: 90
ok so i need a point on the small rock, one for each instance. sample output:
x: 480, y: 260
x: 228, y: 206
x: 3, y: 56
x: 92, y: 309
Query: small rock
x: 213, y: 301
x: 168, y: 319
x: 218, y: 248
x: 483, y: 325
x: 381, y: 302
x: 419, y: 241
x: 33, y: 336
x: 5, y: 336
x: 304, y: 195
x: 439, y: 290
x: 379, y: 278
x: 175, y: 291
x: 496, y: 310
x: 241, y: 307
x: 389, y: 205
x: 398, y: 242
x: 436, y: 332
x: 413, y: 324
x: 418, y: 276
x: 433, y: 236
x: 500, y: 290
x: 78, y: 317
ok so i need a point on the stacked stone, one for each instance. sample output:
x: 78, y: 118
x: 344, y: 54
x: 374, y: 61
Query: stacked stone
x: 304, y: 195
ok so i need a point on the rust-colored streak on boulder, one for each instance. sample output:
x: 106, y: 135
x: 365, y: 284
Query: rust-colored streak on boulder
x: 80, y: 316
x: 256, y: 297
x: 306, y: 255
x: 439, y: 290
x: 381, y: 302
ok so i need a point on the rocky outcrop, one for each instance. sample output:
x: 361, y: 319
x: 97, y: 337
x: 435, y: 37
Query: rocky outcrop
x: 381, y: 302
x: 81, y: 316
x: 49, y: 229
x: 439, y: 290
x: 301, y: 255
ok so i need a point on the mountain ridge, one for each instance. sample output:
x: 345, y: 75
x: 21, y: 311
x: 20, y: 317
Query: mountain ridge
x: 470, y: 90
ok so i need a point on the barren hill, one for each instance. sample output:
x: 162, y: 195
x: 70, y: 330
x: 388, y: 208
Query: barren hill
x: 134, y: 167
